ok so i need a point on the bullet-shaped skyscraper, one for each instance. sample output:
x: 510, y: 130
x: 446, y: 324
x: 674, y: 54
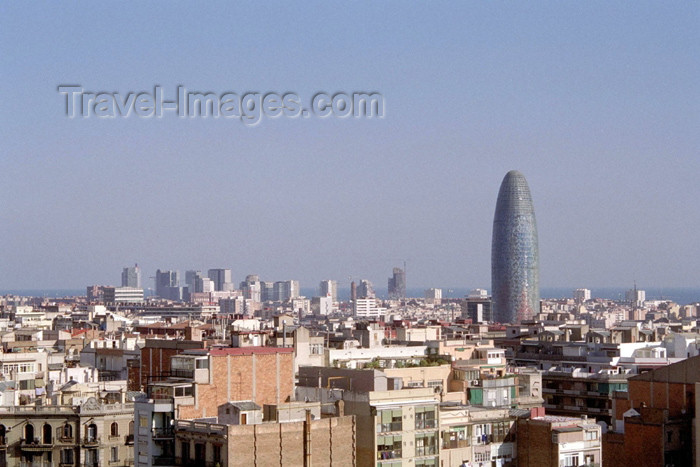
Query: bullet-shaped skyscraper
x: 515, y: 275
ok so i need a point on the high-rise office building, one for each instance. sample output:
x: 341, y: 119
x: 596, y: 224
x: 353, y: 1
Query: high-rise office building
x: 286, y: 290
x: 365, y: 289
x: 221, y: 279
x: 328, y: 288
x: 397, y: 284
x: 635, y: 296
x: 515, y: 281
x: 167, y: 283
x: 251, y: 288
x: 582, y: 295
x: 267, y: 291
x: 131, y: 277
x: 477, y: 306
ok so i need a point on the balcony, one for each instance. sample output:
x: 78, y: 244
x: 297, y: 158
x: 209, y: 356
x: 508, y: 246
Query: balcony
x: 163, y: 433
x: 426, y: 424
x: 129, y: 439
x: 195, y: 463
x: 389, y: 427
x: 455, y: 444
x: 91, y: 441
x: 34, y: 445
x: 165, y: 461
x: 392, y: 454
x: 426, y: 451
x: 35, y: 464
x: 66, y: 439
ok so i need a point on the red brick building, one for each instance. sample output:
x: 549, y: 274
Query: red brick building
x: 264, y: 375
x: 653, y: 420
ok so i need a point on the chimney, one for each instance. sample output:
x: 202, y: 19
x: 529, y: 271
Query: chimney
x: 340, y: 408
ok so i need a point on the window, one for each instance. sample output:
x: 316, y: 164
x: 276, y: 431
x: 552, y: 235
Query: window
x: 482, y: 433
x: 29, y: 432
x: 67, y: 431
x: 66, y: 456
x: 388, y: 447
x: 435, y: 383
x: 570, y: 460
x: 26, y: 384
x: 426, y: 444
x: 114, y: 429
x: 91, y: 433
x: 390, y: 420
x: 114, y: 454
x: 217, y: 453
x: 591, y: 435
x: 183, y: 391
x: 425, y: 418
x: 143, y: 422
x: 46, y: 434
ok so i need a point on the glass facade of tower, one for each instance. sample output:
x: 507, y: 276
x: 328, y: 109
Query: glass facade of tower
x: 515, y: 279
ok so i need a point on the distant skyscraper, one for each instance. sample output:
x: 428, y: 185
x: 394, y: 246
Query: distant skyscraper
x: 582, y: 295
x: 329, y: 288
x: 286, y: 290
x: 515, y: 275
x: 252, y: 288
x: 365, y: 289
x: 221, y: 279
x: 166, y: 282
x: 635, y: 296
x: 191, y: 279
x: 131, y: 277
x: 397, y: 284
x: 353, y: 291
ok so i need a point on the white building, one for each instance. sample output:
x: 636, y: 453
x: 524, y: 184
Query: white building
x: 367, y: 307
x: 433, y: 294
x: 123, y: 295
x: 582, y: 295
x: 329, y: 288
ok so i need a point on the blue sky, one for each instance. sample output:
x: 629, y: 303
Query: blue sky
x: 595, y: 102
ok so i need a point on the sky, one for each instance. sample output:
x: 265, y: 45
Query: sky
x: 596, y: 103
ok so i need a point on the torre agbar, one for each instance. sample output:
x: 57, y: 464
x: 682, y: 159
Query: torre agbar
x: 515, y: 275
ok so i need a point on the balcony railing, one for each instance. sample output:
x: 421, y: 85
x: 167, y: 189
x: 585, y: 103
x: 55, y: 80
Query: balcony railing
x: 165, y: 461
x: 196, y: 463
x: 393, y: 454
x: 130, y: 439
x: 163, y: 433
x: 34, y: 445
x: 387, y: 427
x: 426, y: 424
x: 91, y: 440
x: 426, y: 451
x: 35, y: 464
x: 454, y: 444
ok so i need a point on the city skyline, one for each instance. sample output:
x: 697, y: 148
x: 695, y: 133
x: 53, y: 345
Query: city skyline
x: 596, y: 103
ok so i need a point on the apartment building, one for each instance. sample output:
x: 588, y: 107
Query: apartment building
x: 557, y: 441
x: 94, y: 433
